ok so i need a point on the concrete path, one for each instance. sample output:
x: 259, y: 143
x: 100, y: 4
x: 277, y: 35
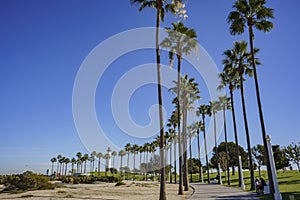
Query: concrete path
x: 210, y: 192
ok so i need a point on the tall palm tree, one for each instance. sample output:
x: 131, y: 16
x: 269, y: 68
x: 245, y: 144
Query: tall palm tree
x: 215, y: 108
x: 134, y: 151
x: 93, y: 155
x: 172, y: 123
x: 99, y: 156
x: 192, y: 131
x: 171, y: 142
x: 66, y: 161
x: 85, y: 159
x: 114, y: 154
x: 254, y: 14
x: 188, y: 94
x: 240, y: 57
x: 128, y: 149
x: 141, y: 150
x: 122, y: 153
x: 230, y: 78
x: 73, y: 161
x: 225, y: 105
x: 79, y: 156
x: 204, y: 110
x: 199, y: 125
x: 181, y: 40
x: 161, y: 6
x: 59, y: 157
x: 53, y: 160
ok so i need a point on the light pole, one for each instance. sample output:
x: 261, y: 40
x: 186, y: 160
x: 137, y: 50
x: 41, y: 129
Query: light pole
x: 277, y: 194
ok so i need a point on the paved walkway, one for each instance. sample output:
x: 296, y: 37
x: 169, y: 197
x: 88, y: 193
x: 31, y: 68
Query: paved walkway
x: 210, y: 192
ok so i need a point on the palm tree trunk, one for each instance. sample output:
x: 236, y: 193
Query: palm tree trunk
x: 127, y: 174
x: 134, y: 164
x: 198, y: 138
x: 99, y: 167
x: 237, y: 150
x: 261, y: 117
x: 185, y: 162
x: 226, y: 146
x: 190, y: 166
x: 216, y: 147
x: 180, y: 189
x: 175, y: 167
x: 147, y: 158
x: 205, y: 148
x: 170, y: 162
x: 163, y: 195
x: 252, y: 186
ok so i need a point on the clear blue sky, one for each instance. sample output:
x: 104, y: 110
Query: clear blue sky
x: 43, y: 43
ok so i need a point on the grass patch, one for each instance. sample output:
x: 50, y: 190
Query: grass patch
x: 289, y: 182
x: 61, y: 192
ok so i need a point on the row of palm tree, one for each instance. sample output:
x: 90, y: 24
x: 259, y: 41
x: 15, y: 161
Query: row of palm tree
x: 237, y: 63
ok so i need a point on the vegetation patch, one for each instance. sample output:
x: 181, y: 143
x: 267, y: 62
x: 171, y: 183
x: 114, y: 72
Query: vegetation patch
x: 26, y: 181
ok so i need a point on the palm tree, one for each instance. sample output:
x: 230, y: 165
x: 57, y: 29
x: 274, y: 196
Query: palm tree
x: 230, y: 78
x: 171, y: 141
x: 215, y: 108
x: 84, y: 159
x: 188, y: 94
x: 66, y: 161
x: 161, y: 7
x: 254, y: 13
x: 53, y: 160
x: 181, y: 40
x: 128, y: 149
x: 122, y: 153
x: 79, y: 156
x: 59, y: 157
x: 172, y: 123
x: 192, y: 130
x: 205, y: 110
x: 114, y: 154
x: 147, y: 148
x: 73, y: 161
x: 225, y: 105
x: 93, y: 155
x: 99, y: 156
x: 134, y: 151
x: 240, y: 58
x: 199, y: 128
x: 141, y: 149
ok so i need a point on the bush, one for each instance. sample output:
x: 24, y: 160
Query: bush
x: 27, y: 181
x: 89, y: 179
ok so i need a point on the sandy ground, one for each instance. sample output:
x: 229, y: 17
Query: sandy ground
x: 102, y: 191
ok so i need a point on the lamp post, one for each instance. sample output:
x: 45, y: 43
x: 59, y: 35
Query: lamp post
x: 277, y: 194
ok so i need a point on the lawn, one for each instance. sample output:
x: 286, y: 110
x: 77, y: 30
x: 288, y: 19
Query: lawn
x: 289, y: 183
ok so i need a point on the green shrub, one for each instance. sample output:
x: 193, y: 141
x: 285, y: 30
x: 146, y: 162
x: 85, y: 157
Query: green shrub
x: 27, y: 181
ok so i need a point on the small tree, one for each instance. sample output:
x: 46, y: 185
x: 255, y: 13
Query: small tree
x: 258, y: 155
x: 292, y: 152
